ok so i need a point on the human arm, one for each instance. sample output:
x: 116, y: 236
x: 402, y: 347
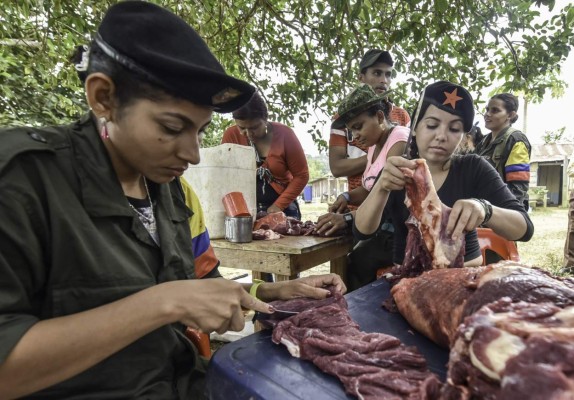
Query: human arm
x: 509, y: 219
x: 310, y: 286
x: 469, y: 214
x: 295, y: 162
x: 356, y: 197
x: 205, y: 259
x: 517, y: 167
x: 47, y: 333
x: 341, y: 163
x: 56, y: 349
x: 342, y: 166
x: 369, y: 214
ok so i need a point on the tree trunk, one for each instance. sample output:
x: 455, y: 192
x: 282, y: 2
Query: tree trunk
x: 525, y: 116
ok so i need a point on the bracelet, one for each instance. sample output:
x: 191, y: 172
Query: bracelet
x: 487, y: 209
x: 347, y: 196
x: 255, y: 286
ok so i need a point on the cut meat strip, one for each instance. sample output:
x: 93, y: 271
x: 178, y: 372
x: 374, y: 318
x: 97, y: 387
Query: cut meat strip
x: 370, y: 365
x: 514, y: 350
x: 428, y: 245
x: 438, y: 301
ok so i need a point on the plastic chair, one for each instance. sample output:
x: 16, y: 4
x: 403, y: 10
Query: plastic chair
x: 200, y: 340
x: 488, y: 240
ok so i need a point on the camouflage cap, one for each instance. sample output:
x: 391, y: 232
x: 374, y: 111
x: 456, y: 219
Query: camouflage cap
x: 360, y: 99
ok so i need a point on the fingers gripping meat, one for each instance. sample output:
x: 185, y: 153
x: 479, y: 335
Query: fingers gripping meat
x: 427, y: 226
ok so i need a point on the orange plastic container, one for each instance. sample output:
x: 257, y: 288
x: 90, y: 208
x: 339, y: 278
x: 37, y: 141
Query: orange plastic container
x: 235, y: 205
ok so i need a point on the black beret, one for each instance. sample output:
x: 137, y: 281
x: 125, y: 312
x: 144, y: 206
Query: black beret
x: 374, y: 56
x: 162, y: 48
x: 451, y: 98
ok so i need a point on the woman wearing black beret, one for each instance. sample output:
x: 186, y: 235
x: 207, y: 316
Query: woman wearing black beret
x: 466, y: 183
x: 97, y: 276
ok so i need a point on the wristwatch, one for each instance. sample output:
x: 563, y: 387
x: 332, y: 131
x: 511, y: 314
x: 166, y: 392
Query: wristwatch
x: 348, y: 219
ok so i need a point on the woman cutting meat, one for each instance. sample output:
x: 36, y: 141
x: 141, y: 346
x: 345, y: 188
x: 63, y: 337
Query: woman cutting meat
x: 282, y: 171
x: 98, y: 276
x: 468, y: 184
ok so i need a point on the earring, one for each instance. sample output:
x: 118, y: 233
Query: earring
x: 104, y: 131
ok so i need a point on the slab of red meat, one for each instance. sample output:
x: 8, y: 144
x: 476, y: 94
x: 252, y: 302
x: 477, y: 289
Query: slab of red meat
x: 513, y: 351
x: 436, y: 302
x: 269, y: 221
x: 370, y: 365
x: 428, y: 246
x: 433, y: 303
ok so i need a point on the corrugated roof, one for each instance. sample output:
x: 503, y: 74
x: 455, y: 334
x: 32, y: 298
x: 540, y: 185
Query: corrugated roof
x: 551, y: 152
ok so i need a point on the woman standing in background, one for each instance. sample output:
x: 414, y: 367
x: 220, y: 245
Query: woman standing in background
x: 282, y: 171
x: 506, y: 148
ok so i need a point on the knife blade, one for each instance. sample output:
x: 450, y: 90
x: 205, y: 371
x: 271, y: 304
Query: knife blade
x: 413, y: 123
x: 277, y: 315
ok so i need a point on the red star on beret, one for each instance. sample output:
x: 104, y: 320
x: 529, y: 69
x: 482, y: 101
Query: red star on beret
x: 452, y: 98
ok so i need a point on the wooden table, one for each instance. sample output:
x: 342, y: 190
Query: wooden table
x: 285, y: 257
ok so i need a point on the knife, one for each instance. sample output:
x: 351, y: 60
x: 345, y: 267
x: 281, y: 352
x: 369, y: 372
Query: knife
x: 277, y: 315
x: 413, y: 123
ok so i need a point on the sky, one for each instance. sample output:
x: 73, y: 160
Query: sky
x: 549, y: 115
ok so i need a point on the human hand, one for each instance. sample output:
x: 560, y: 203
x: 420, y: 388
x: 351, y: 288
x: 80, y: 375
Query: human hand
x: 392, y: 178
x: 329, y: 224
x: 210, y: 304
x: 310, y: 286
x: 273, y: 208
x: 465, y: 216
x: 339, y: 206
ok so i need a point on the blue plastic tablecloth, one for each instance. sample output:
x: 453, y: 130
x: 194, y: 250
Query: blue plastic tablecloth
x: 256, y: 368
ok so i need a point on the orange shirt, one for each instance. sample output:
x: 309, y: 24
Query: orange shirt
x: 286, y: 160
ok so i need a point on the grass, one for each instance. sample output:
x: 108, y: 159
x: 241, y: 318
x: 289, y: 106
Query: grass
x: 545, y: 249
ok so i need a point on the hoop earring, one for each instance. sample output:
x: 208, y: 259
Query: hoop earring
x: 104, y: 131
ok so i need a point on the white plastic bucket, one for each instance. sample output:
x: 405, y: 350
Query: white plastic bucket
x: 223, y: 169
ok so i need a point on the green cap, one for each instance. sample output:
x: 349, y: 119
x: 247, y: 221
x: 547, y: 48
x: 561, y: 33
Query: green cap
x: 360, y: 99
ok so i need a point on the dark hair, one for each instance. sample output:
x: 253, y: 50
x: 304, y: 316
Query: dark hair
x: 413, y: 150
x: 129, y: 86
x: 510, y: 102
x: 383, y: 105
x: 476, y: 135
x: 254, y: 108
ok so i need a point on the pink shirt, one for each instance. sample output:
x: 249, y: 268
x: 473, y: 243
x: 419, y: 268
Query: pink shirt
x: 398, y: 134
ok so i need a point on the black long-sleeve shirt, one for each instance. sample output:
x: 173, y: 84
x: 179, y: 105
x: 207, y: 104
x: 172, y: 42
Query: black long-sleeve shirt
x: 470, y: 176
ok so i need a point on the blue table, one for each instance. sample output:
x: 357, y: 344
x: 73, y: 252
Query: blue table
x: 256, y: 368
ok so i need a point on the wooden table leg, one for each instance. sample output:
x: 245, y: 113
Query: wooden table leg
x: 339, y: 267
x: 256, y: 275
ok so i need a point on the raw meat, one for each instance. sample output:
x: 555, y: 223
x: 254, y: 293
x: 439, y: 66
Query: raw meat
x: 436, y: 302
x: 428, y: 245
x: 370, y: 365
x: 513, y: 351
x: 433, y: 303
x: 283, y: 225
x: 265, y: 234
x: 269, y: 221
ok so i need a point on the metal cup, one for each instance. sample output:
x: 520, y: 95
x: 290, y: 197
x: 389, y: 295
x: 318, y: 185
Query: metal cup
x: 239, y: 229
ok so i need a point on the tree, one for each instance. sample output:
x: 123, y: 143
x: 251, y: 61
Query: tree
x: 318, y: 167
x: 556, y: 136
x: 302, y: 54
